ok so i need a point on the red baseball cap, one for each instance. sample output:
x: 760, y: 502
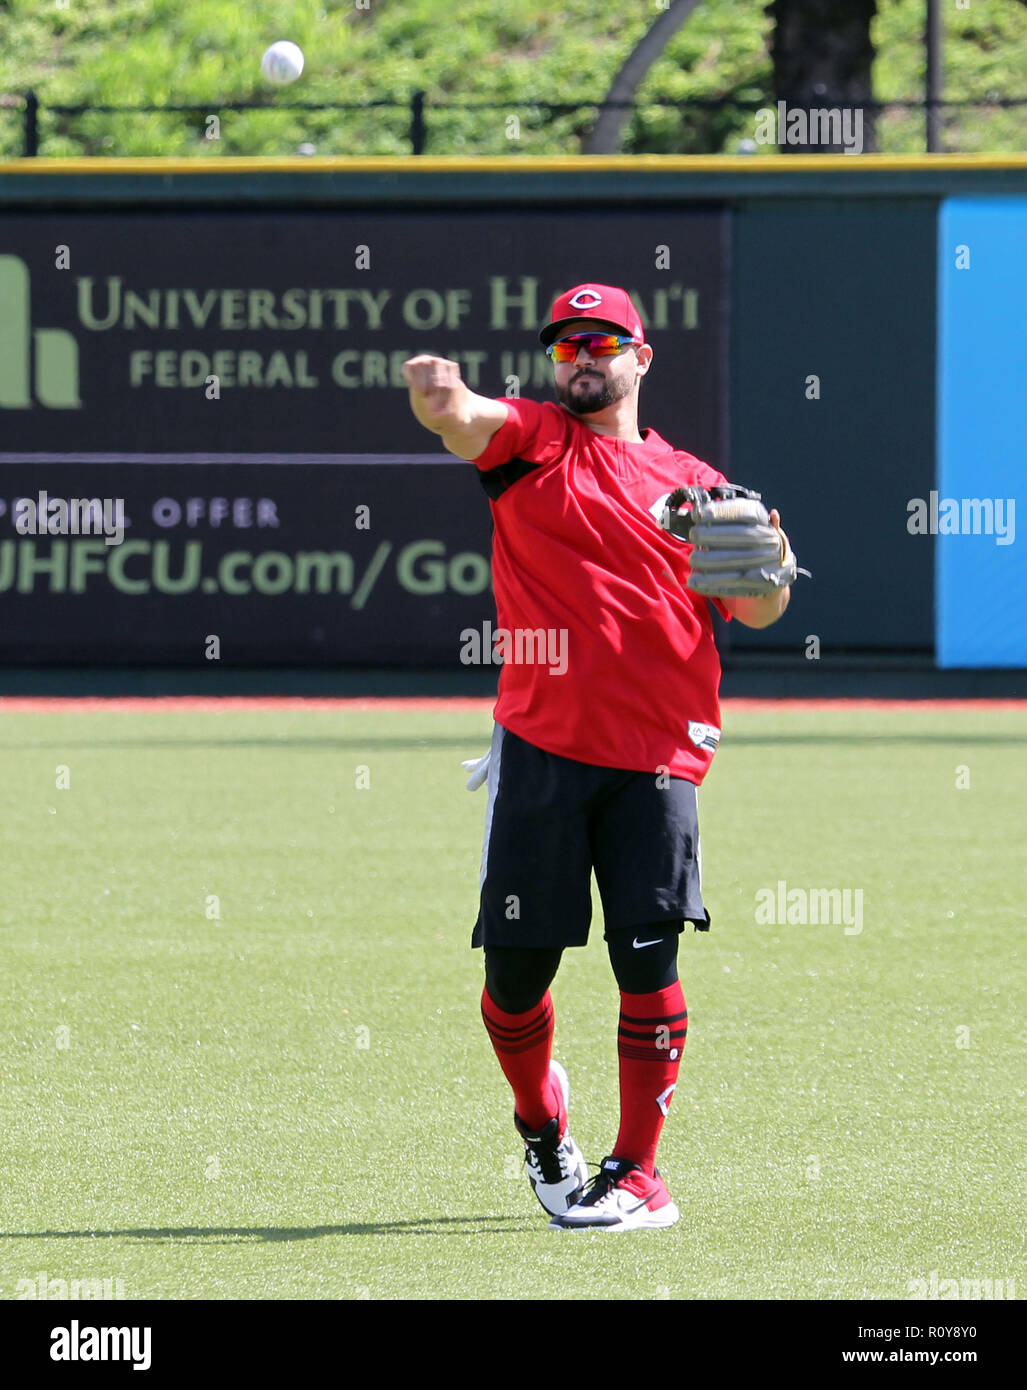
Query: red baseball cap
x: 604, y: 303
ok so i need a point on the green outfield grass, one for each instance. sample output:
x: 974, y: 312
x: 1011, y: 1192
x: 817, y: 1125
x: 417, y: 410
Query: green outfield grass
x: 297, y: 1099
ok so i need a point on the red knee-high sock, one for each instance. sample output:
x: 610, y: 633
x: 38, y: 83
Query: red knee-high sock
x: 650, y: 1040
x: 524, y: 1044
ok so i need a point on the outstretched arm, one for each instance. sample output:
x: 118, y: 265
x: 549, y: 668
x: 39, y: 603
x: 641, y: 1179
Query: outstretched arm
x: 443, y: 403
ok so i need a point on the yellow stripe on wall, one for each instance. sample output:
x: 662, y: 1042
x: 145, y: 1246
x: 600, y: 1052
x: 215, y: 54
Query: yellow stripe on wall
x: 426, y: 164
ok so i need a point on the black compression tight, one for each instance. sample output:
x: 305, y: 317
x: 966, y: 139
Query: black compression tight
x: 517, y: 977
x: 645, y: 959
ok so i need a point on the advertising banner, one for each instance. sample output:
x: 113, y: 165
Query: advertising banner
x: 286, y: 333
x: 235, y: 379
x: 373, y: 561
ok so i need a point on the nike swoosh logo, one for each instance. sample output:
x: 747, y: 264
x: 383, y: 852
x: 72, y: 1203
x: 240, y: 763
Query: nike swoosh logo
x: 639, y: 944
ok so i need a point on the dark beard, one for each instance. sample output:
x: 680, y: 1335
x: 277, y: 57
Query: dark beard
x: 595, y: 395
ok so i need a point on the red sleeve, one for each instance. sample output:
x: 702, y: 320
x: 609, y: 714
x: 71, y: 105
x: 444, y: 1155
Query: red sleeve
x: 709, y: 477
x: 533, y: 431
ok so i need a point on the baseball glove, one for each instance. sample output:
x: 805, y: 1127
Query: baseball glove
x: 737, y: 554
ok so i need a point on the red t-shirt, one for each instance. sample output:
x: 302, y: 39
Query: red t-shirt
x: 608, y: 657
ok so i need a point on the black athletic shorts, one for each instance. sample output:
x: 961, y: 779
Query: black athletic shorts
x: 550, y: 821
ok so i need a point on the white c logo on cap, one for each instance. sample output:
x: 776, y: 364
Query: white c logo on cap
x: 585, y: 299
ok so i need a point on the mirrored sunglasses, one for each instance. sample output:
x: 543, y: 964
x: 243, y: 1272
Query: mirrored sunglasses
x: 596, y: 344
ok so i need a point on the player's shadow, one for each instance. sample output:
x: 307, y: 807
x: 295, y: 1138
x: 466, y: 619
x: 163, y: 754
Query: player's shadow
x: 234, y: 1235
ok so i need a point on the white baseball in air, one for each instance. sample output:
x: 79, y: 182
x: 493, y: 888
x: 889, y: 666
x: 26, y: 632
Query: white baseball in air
x: 282, y: 63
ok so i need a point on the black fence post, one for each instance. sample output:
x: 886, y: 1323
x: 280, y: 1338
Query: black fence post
x: 934, y: 77
x: 418, y: 135
x: 31, y: 125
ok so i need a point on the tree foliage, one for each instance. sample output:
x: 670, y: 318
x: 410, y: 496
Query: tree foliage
x: 208, y: 52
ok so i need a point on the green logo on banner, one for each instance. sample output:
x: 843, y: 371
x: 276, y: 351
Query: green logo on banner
x: 48, y: 354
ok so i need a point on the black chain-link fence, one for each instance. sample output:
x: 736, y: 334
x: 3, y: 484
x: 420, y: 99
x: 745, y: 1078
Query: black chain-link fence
x: 705, y: 125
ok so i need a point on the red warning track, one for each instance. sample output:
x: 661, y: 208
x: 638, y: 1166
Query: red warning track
x: 236, y: 704
x: 801, y: 706
x: 284, y: 704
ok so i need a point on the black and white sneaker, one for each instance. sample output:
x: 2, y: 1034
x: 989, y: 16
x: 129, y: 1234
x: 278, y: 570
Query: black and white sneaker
x: 556, y: 1169
x: 621, y: 1197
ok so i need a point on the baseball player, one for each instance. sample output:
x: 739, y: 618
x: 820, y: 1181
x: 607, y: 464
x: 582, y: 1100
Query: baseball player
x: 595, y: 762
